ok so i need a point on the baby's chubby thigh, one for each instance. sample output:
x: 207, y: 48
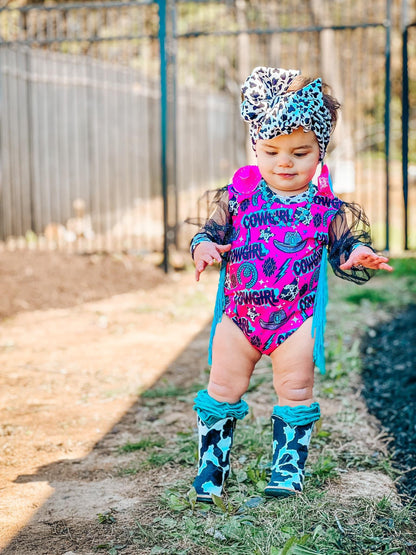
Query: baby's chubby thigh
x: 233, y: 362
x: 293, y: 367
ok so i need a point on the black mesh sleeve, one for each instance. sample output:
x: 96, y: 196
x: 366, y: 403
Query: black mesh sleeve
x: 349, y: 229
x: 217, y: 227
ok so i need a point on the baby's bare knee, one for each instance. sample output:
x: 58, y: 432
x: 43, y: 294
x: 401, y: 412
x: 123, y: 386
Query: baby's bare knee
x: 228, y: 392
x: 294, y: 390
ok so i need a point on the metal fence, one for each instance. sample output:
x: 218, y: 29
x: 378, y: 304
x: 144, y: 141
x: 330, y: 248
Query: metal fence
x: 80, y: 115
x: 64, y: 115
x: 117, y: 116
x: 408, y: 28
x: 338, y: 40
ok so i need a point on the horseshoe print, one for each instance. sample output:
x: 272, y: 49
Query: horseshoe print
x: 328, y: 215
x: 248, y: 270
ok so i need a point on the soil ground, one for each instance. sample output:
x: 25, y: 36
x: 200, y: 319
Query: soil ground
x: 70, y: 371
x: 389, y: 377
x: 80, y: 338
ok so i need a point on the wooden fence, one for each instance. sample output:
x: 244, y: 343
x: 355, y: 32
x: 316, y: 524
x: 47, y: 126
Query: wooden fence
x: 83, y: 152
x: 80, y: 150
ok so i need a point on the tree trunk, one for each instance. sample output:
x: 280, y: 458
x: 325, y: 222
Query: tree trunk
x: 342, y: 147
x: 243, y: 64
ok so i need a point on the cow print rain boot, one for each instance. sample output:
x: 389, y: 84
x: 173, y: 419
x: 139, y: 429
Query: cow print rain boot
x: 292, y: 430
x: 214, y: 458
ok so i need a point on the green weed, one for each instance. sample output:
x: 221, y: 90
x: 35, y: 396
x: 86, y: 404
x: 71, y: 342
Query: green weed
x: 111, y: 548
x: 311, y: 524
x: 341, y: 360
x: 370, y: 295
x: 251, y: 437
x: 295, y: 546
x: 145, y: 443
x: 324, y: 469
x: 403, y: 267
x: 107, y: 517
x: 159, y: 459
x: 186, y: 449
x: 182, y: 449
x: 320, y: 437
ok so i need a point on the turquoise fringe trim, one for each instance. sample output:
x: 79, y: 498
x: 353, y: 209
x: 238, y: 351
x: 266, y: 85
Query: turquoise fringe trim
x: 219, y: 308
x: 211, y: 411
x: 319, y: 314
x: 298, y: 416
x: 319, y: 311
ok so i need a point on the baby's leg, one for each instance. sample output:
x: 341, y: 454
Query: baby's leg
x: 233, y: 361
x: 293, y: 418
x: 293, y: 367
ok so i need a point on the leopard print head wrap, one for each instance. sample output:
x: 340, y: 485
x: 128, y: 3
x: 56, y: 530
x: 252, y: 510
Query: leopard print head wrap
x: 272, y: 111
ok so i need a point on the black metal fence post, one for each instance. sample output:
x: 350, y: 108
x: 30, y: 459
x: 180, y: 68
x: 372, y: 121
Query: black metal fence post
x: 127, y: 70
x: 387, y: 119
x: 405, y: 133
x: 405, y: 118
x: 167, y: 22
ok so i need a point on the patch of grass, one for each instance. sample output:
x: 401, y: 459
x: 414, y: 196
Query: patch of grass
x: 403, y: 267
x: 111, y: 548
x: 107, y: 517
x: 158, y: 459
x: 186, y: 449
x: 324, y: 469
x: 322, y: 520
x: 247, y: 522
x: 370, y: 295
x: 316, y: 522
x: 363, y: 461
x: 250, y: 438
x: 145, y: 443
x: 181, y: 449
x: 320, y: 437
x: 341, y: 360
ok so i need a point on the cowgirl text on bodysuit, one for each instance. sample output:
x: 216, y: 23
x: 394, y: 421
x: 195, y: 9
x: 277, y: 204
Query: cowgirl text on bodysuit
x: 248, y: 252
x: 271, y: 217
x: 308, y: 263
x: 285, y: 215
x: 265, y: 296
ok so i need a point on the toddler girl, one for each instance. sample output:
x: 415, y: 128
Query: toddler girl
x: 271, y: 230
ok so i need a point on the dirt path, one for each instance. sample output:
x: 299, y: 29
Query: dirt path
x: 68, y: 376
x: 71, y: 378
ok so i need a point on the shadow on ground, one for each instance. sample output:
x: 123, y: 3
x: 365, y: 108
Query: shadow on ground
x: 94, y: 505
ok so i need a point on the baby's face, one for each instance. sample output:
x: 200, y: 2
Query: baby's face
x: 288, y: 162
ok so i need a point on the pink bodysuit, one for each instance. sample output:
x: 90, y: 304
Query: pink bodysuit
x: 276, y: 250
x: 268, y: 285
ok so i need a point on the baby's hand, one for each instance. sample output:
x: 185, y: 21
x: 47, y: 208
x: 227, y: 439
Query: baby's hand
x: 206, y: 253
x: 364, y: 256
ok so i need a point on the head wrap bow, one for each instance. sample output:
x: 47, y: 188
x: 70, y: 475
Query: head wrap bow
x: 272, y: 111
